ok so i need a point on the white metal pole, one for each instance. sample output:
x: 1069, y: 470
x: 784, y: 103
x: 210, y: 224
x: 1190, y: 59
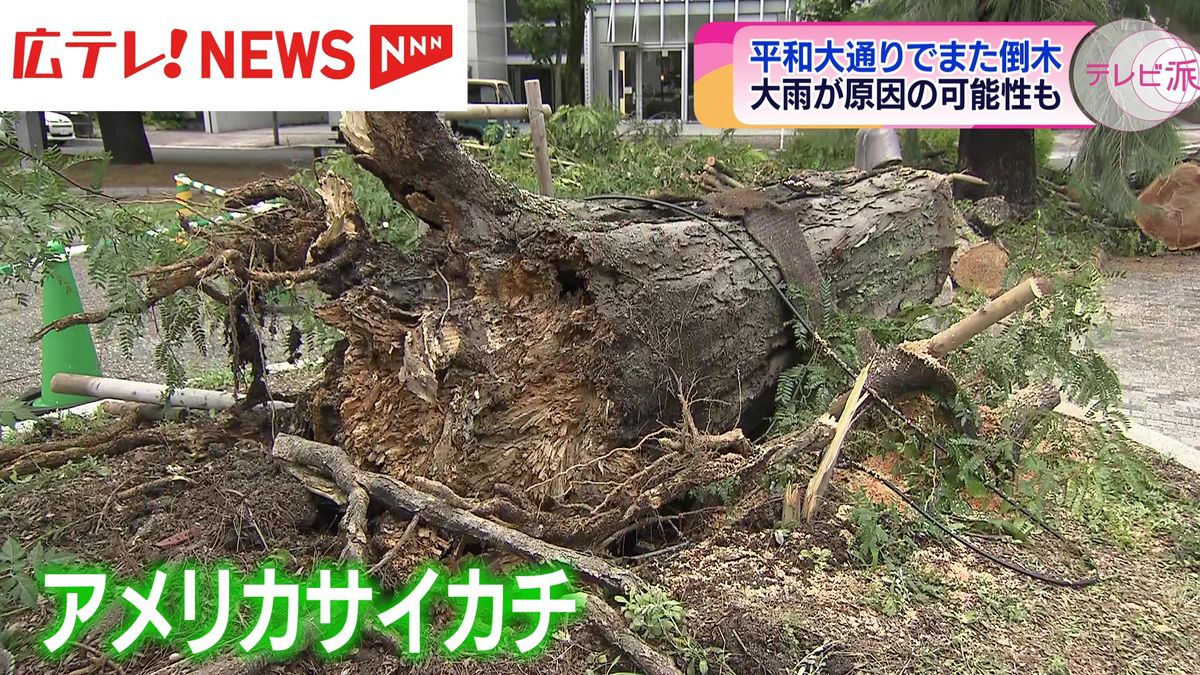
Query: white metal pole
x: 145, y: 392
x: 587, y: 57
x: 687, y: 48
x: 662, y: 22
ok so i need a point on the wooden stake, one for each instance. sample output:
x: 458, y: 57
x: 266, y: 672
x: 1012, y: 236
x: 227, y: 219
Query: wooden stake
x: 537, y: 128
x: 886, y: 379
x: 791, y: 506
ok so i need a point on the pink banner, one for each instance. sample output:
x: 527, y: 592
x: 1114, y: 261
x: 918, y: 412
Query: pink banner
x: 908, y: 75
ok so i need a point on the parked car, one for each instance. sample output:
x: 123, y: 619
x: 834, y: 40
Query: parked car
x: 485, y: 92
x: 479, y: 92
x: 84, y: 128
x: 59, y: 128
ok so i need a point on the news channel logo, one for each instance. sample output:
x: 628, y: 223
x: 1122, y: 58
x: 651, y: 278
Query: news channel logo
x: 1132, y: 75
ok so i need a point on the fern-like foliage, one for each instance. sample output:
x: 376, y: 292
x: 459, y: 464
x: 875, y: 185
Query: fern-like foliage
x: 1048, y: 341
x: 1107, y: 158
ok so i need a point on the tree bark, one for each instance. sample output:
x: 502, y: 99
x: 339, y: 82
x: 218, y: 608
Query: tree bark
x: 1005, y: 158
x: 125, y: 137
x: 572, y: 78
x: 531, y: 340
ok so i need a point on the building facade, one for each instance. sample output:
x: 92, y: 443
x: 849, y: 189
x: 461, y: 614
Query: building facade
x: 638, y: 54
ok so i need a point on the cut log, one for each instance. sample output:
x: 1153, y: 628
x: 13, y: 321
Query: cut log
x: 986, y: 216
x: 540, y: 334
x: 981, y: 268
x: 1171, y: 208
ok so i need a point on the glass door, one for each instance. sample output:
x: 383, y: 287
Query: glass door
x: 662, y: 83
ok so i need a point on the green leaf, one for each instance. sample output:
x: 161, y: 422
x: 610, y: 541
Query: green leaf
x: 27, y: 590
x: 11, y: 551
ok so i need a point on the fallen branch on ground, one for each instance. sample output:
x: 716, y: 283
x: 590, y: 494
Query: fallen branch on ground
x: 104, y: 444
x: 917, y: 365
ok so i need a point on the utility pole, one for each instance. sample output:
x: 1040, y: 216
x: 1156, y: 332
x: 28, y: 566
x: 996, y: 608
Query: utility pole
x: 30, y: 135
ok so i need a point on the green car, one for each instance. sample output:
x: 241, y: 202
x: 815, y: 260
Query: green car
x: 485, y: 92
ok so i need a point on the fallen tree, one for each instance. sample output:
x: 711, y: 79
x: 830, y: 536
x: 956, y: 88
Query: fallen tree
x: 529, y: 343
x: 541, y: 335
x: 552, y: 378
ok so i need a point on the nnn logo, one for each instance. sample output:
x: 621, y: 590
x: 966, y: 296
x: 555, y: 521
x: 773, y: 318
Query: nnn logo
x: 397, y: 51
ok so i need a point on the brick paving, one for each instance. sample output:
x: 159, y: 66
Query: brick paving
x: 1155, y: 342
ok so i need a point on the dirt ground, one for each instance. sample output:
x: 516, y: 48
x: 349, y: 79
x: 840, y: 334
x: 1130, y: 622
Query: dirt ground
x: 149, y: 175
x: 766, y: 601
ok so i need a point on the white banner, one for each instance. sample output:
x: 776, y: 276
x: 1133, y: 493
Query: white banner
x: 227, y: 55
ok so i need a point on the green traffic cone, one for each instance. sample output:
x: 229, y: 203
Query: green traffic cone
x: 70, y: 350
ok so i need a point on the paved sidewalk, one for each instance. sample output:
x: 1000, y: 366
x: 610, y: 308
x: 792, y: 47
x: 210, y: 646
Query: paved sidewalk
x: 1155, y: 342
x: 21, y: 367
x: 1066, y: 143
x: 302, y: 135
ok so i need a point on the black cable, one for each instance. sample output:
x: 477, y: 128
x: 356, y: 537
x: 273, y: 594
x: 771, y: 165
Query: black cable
x: 828, y: 349
x: 999, y: 560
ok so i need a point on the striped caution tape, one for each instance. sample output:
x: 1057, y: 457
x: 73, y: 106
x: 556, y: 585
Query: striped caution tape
x: 182, y: 181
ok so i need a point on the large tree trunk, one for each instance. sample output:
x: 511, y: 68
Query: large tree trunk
x: 572, y: 82
x: 573, y: 367
x: 1005, y: 158
x: 531, y: 340
x: 125, y: 137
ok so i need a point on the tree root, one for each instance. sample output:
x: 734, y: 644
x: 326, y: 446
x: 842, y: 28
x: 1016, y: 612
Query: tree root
x: 10, y: 453
x: 105, y: 444
x: 230, y: 255
x: 397, y: 496
x: 123, y: 437
x: 185, y: 277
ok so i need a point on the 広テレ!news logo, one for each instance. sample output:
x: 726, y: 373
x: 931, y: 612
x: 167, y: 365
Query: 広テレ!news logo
x: 399, y: 56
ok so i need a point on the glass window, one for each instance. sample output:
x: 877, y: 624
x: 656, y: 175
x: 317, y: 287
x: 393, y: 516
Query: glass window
x: 512, y: 11
x: 481, y: 93
x: 662, y: 83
